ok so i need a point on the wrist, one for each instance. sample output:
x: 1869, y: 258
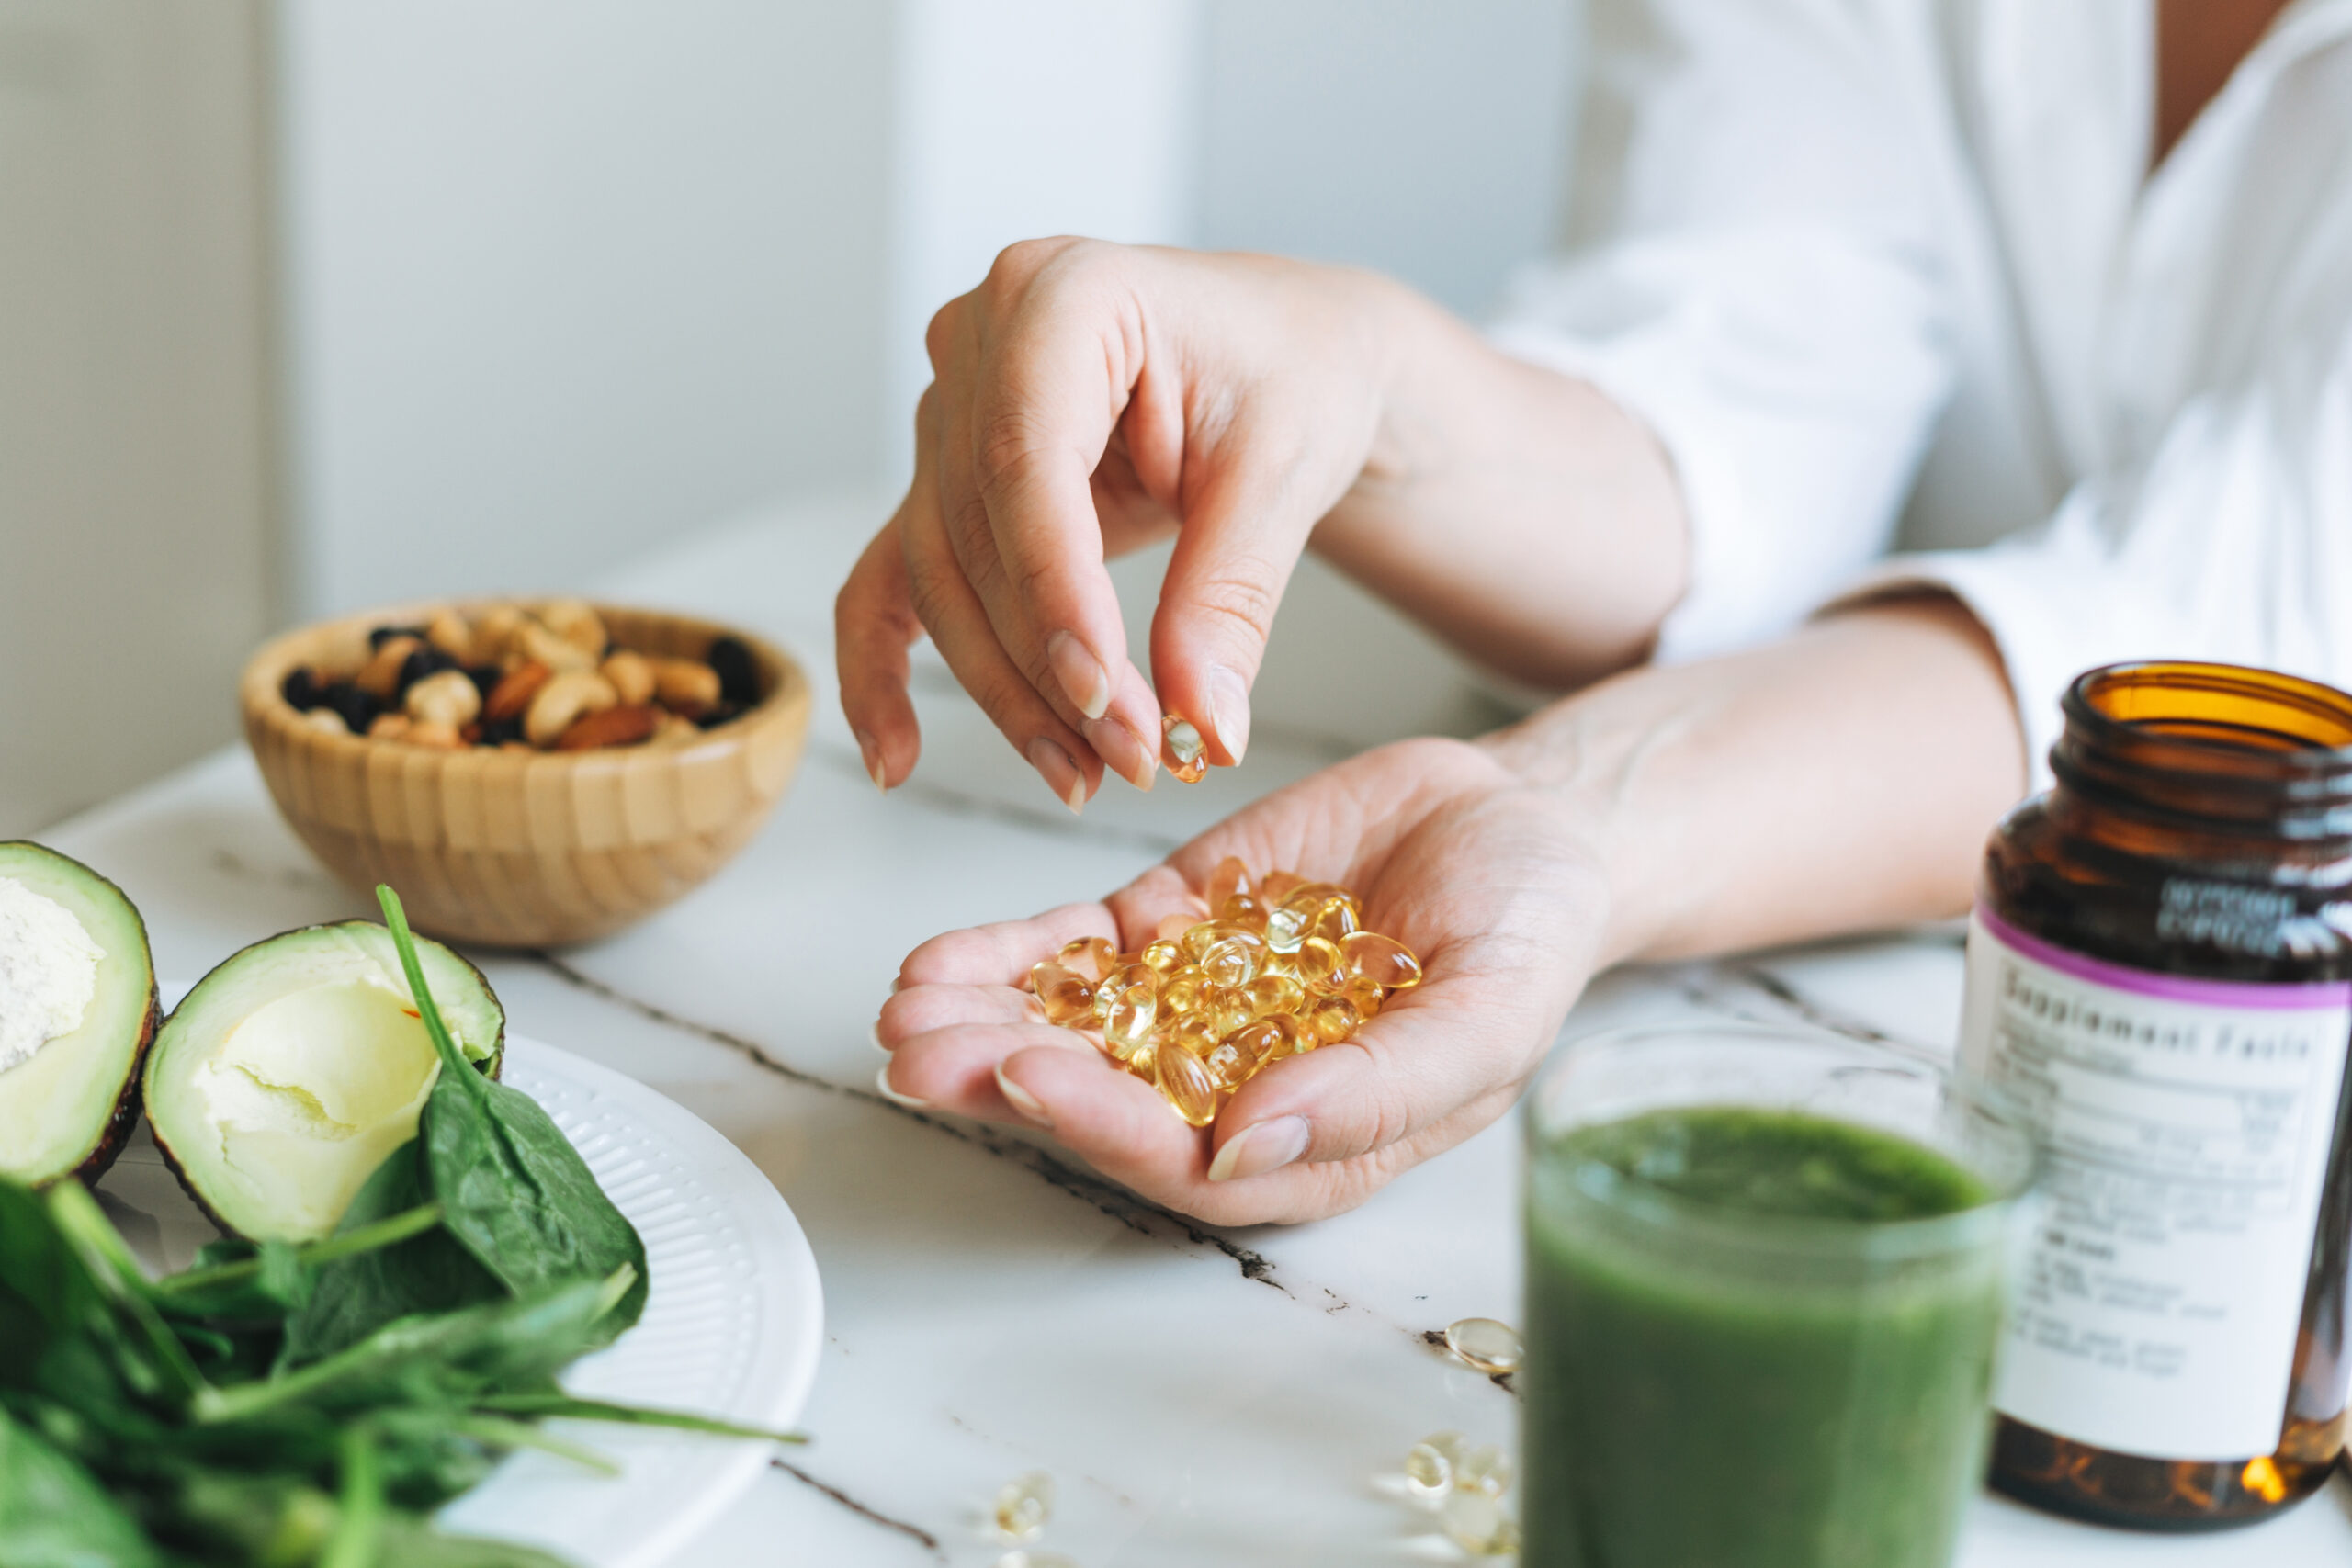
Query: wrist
x: 1587, y: 760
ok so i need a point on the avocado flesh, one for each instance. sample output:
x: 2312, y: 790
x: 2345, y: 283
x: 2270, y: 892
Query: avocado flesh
x: 281, y: 1081
x: 69, y: 1100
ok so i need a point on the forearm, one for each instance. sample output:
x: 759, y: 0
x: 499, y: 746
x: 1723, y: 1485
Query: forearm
x: 1840, y: 780
x: 1519, y: 514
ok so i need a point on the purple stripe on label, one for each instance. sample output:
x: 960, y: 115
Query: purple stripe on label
x: 2280, y: 997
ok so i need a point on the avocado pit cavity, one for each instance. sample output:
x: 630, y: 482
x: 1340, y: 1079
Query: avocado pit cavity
x: 48, y: 972
x: 311, y: 1091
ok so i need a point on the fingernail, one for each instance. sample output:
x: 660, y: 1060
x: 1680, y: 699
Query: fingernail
x: 1253, y: 1151
x: 1060, y: 772
x: 1120, y: 746
x: 874, y: 1035
x: 882, y: 1083
x: 1084, y: 680
x: 1021, y: 1099
x: 1229, y: 710
x: 872, y: 753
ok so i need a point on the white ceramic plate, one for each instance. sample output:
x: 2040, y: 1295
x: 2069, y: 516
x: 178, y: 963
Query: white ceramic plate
x: 732, y: 1327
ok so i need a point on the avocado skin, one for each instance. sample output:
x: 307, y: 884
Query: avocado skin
x: 124, y: 1118
x: 490, y: 1067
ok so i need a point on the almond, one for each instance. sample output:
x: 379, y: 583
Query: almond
x: 514, y: 691
x: 628, y: 725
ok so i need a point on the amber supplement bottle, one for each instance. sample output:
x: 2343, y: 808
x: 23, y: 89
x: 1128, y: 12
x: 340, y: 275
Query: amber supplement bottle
x: 2160, y: 973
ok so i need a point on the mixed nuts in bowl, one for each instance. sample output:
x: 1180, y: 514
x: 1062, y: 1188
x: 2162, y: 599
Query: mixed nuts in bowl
x: 533, y: 771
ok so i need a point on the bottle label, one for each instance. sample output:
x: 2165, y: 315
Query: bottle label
x: 2185, y: 1126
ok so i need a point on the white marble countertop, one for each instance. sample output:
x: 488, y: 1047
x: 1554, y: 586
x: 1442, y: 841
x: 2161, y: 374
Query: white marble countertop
x: 993, y: 1307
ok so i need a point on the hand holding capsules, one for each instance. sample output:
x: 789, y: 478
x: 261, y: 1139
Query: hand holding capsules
x: 1450, y: 851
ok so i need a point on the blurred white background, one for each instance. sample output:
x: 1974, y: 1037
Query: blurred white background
x: 312, y: 304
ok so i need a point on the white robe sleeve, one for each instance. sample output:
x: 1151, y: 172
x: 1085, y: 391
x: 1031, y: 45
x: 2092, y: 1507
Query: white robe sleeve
x: 1753, y: 275
x: 2232, y: 542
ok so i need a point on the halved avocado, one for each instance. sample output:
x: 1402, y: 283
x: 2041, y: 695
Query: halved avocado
x: 77, y: 1008
x: 279, y: 1083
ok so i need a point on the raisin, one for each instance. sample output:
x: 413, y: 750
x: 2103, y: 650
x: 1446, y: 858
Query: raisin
x: 739, y: 674
x: 301, y: 689
x: 358, y: 708
x: 383, y: 635
x: 485, y: 678
x: 720, y: 715
x: 422, y: 663
x: 499, y: 731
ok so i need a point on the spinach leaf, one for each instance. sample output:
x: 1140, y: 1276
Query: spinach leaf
x: 449, y: 1359
x: 511, y: 1188
x: 351, y: 1296
x: 53, y: 1513
x: 158, y: 1365
x: 359, y: 1522
x: 554, y: 1402
x: 411, y: 1543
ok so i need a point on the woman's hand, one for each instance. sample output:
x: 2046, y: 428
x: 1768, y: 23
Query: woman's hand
x: 1484, y: 878
x: 1087, y: 399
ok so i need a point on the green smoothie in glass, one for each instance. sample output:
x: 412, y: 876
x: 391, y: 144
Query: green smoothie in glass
x: 1765, y: 1282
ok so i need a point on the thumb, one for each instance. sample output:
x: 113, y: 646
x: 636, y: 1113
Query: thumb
x: 1233, y: 559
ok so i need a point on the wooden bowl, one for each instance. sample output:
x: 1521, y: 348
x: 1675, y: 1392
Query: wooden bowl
x: 494, y: 847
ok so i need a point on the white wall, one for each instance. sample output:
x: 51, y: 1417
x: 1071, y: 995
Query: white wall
x: 1423, y: 138
x: 135, y: 477
x: 1017, y: 119
x: 569, y: 276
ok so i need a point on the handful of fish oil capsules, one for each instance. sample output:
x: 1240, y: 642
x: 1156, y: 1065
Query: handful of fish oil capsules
x: 1278, y: 968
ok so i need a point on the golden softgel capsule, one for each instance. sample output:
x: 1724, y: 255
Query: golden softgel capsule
x: 1279, y: 968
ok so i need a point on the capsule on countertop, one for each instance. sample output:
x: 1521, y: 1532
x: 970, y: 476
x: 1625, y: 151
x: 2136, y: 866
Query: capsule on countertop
x: 1484, y: 1344
x: 1429, y: 1466
x: 1023, y: 1505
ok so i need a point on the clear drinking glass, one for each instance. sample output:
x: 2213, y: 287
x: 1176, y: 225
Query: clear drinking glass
x: 1764, y: 1282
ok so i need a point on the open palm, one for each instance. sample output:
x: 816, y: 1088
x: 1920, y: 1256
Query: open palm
x: 1485, y: 879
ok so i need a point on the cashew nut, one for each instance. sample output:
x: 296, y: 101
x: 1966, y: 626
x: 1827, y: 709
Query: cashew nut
x: 577, y: 623
x: 494, y: 629
x: 564, y: 699
x: 450, y: 634
x: 449, y: 697
x: 631, y: 675
x: 535, y: 642
x: 686, y: 686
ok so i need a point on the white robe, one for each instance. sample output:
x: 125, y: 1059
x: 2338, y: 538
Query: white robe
x: 1891, y: 276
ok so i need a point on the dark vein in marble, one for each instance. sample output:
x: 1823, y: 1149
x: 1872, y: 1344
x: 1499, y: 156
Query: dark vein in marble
x: 1137, y: 1215
x: 928, y: 1540
x: 1790, y: 1002
x: 1814, y: 1013
x: 1038, y: 820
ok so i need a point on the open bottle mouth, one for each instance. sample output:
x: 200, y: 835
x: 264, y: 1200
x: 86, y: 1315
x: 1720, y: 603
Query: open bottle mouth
x: 2220, y: 747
